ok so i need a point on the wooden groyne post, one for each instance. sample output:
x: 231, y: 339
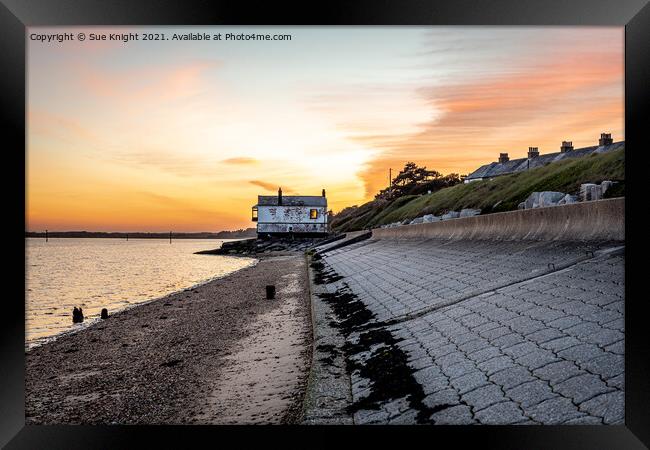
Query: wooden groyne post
x: 46, y: 237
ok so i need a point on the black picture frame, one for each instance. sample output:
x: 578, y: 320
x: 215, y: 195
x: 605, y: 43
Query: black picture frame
x: 16, y: 15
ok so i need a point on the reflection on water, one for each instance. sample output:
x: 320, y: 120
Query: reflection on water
x: 109, y: 273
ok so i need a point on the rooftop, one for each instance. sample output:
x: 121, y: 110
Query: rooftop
x: 495, y: 169
x: 292, y: 200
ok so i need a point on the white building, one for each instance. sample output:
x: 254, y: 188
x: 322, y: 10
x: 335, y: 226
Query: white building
x: 292, y: 214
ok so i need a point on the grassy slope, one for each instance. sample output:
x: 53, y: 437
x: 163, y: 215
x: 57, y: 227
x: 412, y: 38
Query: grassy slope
x: 500, y: 194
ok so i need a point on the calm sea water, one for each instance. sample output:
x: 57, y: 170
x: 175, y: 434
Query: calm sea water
x: 109, y: 273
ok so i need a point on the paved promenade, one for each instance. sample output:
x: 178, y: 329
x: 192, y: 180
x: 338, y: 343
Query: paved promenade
x: 479, y: 332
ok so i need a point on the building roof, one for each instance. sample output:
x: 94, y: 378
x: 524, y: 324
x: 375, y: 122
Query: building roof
x: 495, y: 169
x: 292, y: 200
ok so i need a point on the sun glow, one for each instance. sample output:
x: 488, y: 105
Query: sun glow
x: 184, y: 136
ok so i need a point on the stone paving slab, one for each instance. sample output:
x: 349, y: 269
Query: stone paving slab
x: 402, y: 277
x: 534, y: 344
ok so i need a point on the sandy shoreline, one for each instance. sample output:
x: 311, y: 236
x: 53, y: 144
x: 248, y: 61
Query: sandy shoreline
x: 182, y: 358
x: 95, y: 319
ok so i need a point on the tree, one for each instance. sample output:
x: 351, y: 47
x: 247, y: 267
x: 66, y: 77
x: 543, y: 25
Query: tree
x: 413, y: 179
x: 412, y: 174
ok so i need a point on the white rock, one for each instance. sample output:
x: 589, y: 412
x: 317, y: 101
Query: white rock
x: 550, y: 198
x: 430, y: 218
x: 468, y: 212
x: 451, y: 215
x: 605, y: 185
x: 568, y: 199
x: 532, y: 201
x: 590, y: 191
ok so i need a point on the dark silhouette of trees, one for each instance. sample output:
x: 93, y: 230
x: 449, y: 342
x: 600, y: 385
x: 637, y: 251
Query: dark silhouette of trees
x: 415, y: 180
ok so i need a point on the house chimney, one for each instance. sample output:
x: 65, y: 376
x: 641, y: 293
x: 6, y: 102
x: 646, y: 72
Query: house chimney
x: 605, y: 139
x: 503, y: 157
x: 566, y: 146
x: 323, y: 192
x: 533, y: 152
x: 279, y: 196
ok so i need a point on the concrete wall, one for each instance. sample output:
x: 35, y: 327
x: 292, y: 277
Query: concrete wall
x: 598, y: 220
x: 291, y: 228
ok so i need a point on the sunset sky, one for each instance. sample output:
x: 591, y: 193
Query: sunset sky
x: 183, y: 136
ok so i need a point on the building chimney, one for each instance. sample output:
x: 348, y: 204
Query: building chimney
x: 323, y: 192
x: 533, y: 152
x: 605, y: 139
x: 566, y: 146
x: 503, y: 157
x: 279, y: 196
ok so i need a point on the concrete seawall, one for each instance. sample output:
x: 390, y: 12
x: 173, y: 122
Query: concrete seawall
x: 598, y: 220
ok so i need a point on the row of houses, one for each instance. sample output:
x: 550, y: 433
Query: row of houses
x: 505, y: 165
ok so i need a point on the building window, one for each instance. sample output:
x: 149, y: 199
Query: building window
x: 313, y: 214
x: 254, y: 218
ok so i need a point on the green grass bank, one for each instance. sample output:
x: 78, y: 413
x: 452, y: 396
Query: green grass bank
x: 500, y: 194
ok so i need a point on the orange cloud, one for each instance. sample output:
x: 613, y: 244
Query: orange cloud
x: 240, y: 161
x: 271, y: 186
x: 55, y: 126
x: 573, y: 98
x: 165, y: 160
x: 151, y: 83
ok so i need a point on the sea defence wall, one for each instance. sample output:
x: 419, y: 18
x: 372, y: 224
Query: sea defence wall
x: 597, y: 220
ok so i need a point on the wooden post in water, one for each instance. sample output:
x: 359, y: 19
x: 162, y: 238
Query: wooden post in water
x: 127, y: 237
x: 45, y: 235
x: 170, y: 237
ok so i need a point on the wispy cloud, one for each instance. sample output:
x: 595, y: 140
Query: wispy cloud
x: 165, y: 160
x: 272, y: 186
x: 241, y: 161
x: 566, y: 86
x: 52, y: 125
x: 151, y: 83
